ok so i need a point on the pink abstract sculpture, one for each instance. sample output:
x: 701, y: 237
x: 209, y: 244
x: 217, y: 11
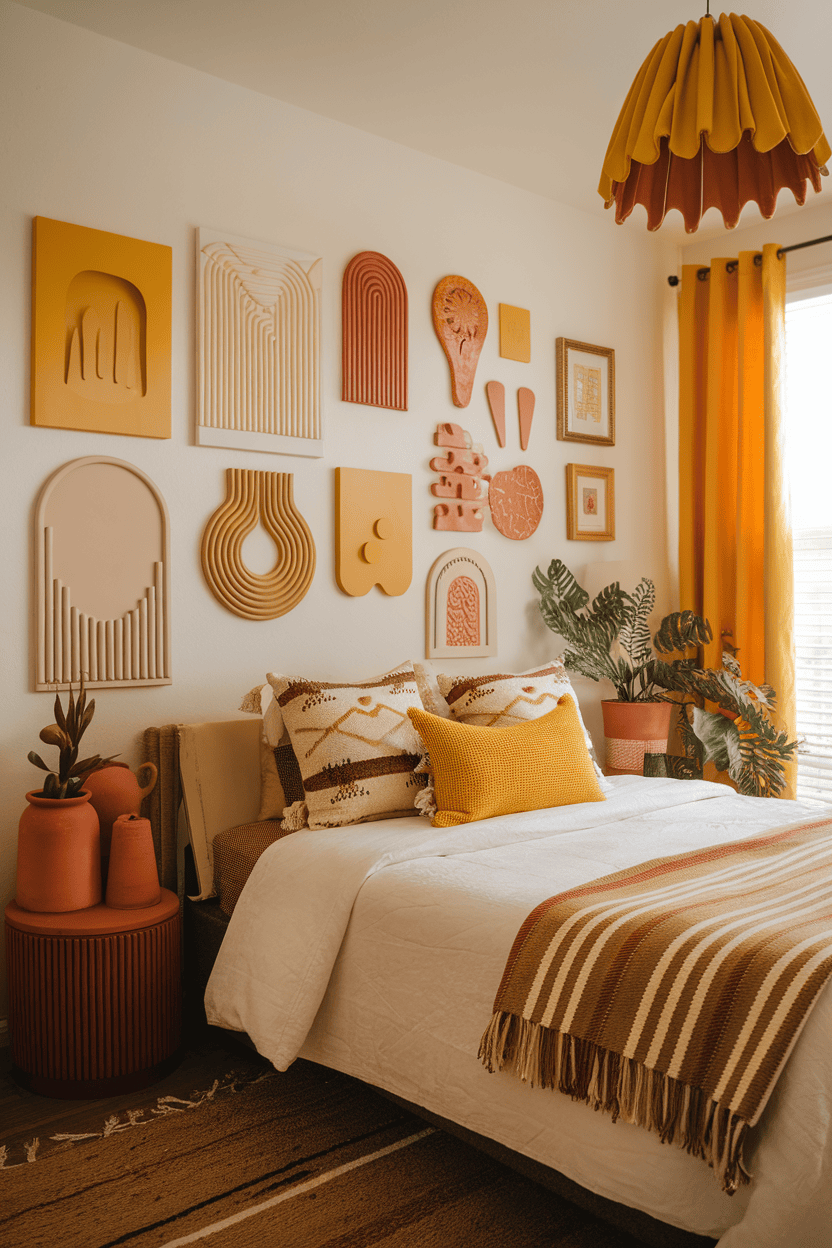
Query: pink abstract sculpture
x: 374, y: 333
x: 460, y: 319
x: 516, y: 500
x: 496, y: 392
x: 525, y: 406
x: 461, y: 478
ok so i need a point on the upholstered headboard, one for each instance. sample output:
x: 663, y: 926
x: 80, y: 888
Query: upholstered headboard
x: 214, y: 769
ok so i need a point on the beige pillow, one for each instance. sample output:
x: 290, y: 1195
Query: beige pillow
x: 355, y: 746
x: 501, y: 699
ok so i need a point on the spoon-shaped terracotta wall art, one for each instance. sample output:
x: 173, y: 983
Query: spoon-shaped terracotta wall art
x: 460, y: 319
x: 496, y: 392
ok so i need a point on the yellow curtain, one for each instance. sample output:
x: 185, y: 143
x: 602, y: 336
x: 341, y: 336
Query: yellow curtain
x: 735, y: 546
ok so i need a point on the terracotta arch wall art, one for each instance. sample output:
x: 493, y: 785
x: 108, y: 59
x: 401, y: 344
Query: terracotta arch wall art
x: 374, y: 333
x: 460, y: 319
x: 461, y: 611
x: 103, y: 594
x: 254, y: 498
x: 100, y: 331
x: 374, y: 531
x: 258, y: 346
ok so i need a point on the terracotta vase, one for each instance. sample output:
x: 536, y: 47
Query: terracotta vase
x: 116, y: 791
x: 633, y: 729
x: 58, y: 854
x: 133, y: 880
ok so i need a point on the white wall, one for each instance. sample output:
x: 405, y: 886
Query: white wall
x: 102, y: 135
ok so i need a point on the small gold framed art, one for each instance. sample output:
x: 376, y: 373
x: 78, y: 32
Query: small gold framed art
x: 590, y: 503
x: 586, y: 392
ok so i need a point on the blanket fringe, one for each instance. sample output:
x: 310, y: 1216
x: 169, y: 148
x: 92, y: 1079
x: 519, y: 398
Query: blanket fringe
x: 621, y: 1087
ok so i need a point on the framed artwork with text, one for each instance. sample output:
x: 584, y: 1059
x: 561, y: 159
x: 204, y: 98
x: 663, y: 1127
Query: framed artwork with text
x: 586, y: 392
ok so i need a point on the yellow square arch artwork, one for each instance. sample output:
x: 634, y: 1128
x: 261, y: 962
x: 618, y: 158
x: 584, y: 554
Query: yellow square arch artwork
x: 101, y: 324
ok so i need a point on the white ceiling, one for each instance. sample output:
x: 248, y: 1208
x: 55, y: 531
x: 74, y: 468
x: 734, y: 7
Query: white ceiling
x: 526, y: 91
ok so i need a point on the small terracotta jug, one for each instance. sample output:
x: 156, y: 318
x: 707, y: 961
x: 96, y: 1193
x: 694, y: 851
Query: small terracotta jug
x: 116, y: 791
x: 133, y: 880
x: 58, y: 854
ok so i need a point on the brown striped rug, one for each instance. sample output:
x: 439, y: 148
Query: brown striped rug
x: 228, y: 1153
x: 672, y: 993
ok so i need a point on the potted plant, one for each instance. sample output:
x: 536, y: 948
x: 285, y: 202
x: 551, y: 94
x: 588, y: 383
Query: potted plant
x: 58, y: 848
x: 739, y: 737
x: 609, y: 638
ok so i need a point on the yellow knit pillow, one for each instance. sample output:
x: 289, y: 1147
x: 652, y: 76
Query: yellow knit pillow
x: 482, y: 772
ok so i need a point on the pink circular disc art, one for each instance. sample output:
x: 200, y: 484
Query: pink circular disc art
x: 516, y: 501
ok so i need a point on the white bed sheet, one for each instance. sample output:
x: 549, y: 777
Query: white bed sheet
x: 377, y: 950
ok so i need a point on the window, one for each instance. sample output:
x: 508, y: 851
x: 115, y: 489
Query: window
x: 809, y: 424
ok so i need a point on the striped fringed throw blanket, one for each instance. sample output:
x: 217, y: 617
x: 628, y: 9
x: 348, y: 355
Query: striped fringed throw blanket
x: 671, y: 994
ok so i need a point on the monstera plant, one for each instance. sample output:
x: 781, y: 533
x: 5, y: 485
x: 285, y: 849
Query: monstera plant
x: 609, y: 638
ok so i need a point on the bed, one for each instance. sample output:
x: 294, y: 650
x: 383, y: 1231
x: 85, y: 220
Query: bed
x: 376, y: 950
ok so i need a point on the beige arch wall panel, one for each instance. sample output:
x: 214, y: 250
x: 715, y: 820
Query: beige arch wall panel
x: 258, y: 346
x: 461, y: 606
x: 101, y: 324
x: 254, y: 498
x: 102, y: 595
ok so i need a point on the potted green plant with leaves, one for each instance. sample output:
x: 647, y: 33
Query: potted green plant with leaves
x: 609, y: 639
x: 739, y: 737
x: 58, y: 848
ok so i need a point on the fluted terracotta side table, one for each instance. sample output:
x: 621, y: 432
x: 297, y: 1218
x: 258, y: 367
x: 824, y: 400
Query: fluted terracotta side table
x: 95, y: 998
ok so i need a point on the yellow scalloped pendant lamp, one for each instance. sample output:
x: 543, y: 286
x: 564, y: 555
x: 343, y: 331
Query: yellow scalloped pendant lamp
x: 717, y: 116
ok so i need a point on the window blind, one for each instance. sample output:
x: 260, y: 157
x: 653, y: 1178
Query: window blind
x: 809, y: 425
x: 813, y: 661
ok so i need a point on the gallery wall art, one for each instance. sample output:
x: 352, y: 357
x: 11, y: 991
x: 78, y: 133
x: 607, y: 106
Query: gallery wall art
x: 101, y: 317
x: 461, y: 607
x: 373, y: 531
x: 585, y: 392
x: 462, y: 481
x: 374, y: 333
x: 525, y: 411
x: 496, y: 394
x: 515, y: 333
x: 102, y: 599
x: 252, y: 498
x: 590, y: 503
x: 258, y: 346
x: 460, y: 319
x: 516, y: 501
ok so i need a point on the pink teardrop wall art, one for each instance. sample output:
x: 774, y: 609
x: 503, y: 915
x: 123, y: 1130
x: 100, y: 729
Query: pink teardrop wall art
x: 460, y: 319
x: 496, y: 393
x: 516, y: 500
x: 525, y: 407
x: 374, y: 333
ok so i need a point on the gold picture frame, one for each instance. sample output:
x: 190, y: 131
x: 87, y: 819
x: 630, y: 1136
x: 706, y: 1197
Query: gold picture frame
x: 586, y: 392
x: 590, y: 503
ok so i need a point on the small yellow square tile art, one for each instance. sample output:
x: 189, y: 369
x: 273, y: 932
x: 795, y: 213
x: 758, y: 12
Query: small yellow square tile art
x: 515, y: 333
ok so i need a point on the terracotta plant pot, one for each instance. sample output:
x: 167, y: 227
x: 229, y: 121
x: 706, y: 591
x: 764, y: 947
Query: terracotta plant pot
x: 116, y: 791
x: 633, y: 729
x: 58, y: 854
x: 133, y: 880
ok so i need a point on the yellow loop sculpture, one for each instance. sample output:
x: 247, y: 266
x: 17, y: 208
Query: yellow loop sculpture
x: 252, y: 498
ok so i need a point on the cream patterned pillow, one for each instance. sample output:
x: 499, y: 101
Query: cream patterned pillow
x: 355, y: 746
x: 501, y: 699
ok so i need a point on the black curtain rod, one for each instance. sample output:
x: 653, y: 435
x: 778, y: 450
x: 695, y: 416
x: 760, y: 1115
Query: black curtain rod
x: 731, y: 266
